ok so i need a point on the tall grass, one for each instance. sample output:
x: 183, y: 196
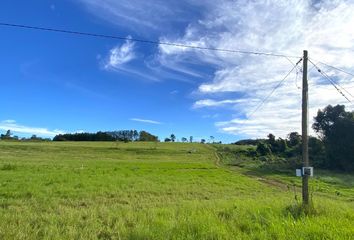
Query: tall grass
x: 149, y: 191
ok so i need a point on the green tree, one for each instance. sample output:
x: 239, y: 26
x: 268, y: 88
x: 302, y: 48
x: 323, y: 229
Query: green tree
x: 336, y: 128
x: 317, y: 152
x: 173, y: 137
x: 184, y: 139
x: 263, y: 148
x: 7, y: 135
x: 272, y: 143
x: 294, y: 139
x: 135, y: 135
x: 147, y: 137
x: 282, y: 146
x: 326, y: 118
x: 271, y: 139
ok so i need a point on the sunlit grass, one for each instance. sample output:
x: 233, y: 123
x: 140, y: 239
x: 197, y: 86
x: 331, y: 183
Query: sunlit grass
x: 149, y: 191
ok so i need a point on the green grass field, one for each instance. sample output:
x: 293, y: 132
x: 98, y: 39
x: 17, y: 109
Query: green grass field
x: 73, y: 190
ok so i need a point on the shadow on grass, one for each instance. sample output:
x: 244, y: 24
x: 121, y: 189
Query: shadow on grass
x: 8, y: 167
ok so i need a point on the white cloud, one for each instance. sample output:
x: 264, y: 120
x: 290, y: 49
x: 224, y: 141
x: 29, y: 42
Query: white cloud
x: 145, y: 121
x: 120, y: 55
x: 144, y: 16
x: 151, y: 18
x: 322, y: 27
x: 216, y: 115
x: 213, y: 103
x: 139, y: 13
x: 9, y: 121
x: 118, y: 60
x: 282, y: 114
x: 80, y: 131
x: 18, y: 128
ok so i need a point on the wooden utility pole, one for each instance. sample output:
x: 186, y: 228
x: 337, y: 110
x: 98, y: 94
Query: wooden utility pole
x: 305, y: 149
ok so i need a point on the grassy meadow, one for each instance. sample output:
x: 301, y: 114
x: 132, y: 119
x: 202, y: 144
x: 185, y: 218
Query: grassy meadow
x: 107, y: 190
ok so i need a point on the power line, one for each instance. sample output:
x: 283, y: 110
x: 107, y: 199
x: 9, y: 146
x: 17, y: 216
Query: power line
x: 292, y: 63
x: 329, y: 79
x: 297, y: 72
x: 273, y: 90
x: 332, y: 82
x: 296, y: 77
x: 142, y: 40
x: 336, y: 68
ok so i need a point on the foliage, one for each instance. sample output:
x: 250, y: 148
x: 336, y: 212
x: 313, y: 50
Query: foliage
x: 326, y: 118
x: 294, y: 139
x: 263, y: 148
x: 336, y: 128
x: 99, y: 136
x: 317, y: 154
x: 6, y: 136
x: 237, y: 155
x: 271, y: 140
x: 125, y: 135
x: 290, y: 149
x: 333, y: 150
x: 173, y: 137
x: 145, y: 136
x: 122, y: 135
x: 253, y: 142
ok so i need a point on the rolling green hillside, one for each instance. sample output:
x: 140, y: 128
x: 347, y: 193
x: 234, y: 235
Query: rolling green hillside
x: 92, y: 190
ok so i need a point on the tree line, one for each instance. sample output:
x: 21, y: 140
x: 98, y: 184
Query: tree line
x: 333, y: 148
x: 121, y: 135
x: 9, y: 136
x: 173, y: 138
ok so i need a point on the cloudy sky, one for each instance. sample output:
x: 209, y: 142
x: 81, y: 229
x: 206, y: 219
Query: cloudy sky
x: 53, y: 83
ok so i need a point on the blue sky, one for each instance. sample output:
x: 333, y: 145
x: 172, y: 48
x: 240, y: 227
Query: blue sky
x: 53, y: 83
